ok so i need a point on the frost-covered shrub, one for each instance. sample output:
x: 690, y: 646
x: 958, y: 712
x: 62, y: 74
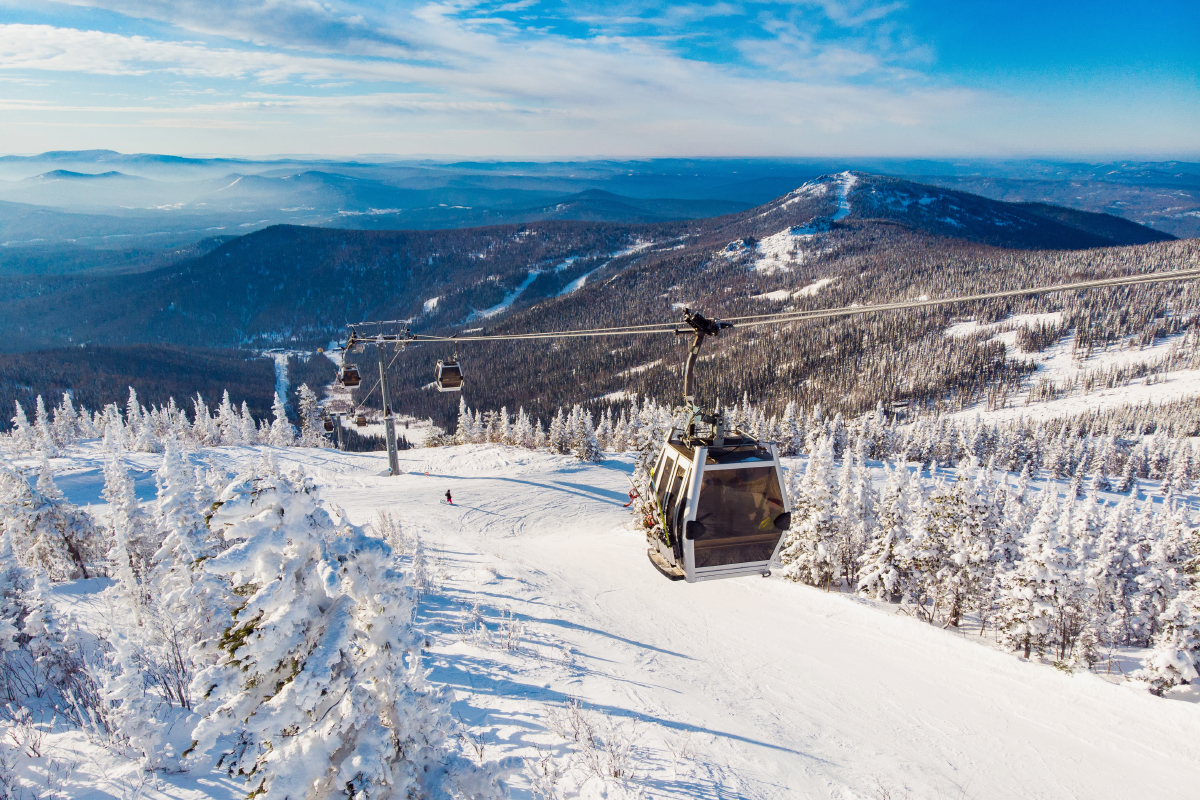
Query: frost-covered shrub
x: 198, y: 602
x: 134, y: 535
x: 1175, y: 658
x: 48, y: 532
x: 318, y: 690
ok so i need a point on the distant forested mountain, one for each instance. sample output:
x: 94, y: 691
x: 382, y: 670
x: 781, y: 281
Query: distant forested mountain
x: 840, y: 239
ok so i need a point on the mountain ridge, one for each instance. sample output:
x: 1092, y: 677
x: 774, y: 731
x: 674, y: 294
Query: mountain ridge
x: 274, y: 274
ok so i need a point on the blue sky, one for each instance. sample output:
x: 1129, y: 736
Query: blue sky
x: 564, y: 79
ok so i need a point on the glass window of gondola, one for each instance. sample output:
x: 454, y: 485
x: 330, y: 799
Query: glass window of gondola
x: 661, y: 475
x: 672, y: 501
x: 738, y: 510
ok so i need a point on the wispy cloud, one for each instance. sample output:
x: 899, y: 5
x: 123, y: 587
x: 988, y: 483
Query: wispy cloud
x: 493, y: 76
x: 48, y: 48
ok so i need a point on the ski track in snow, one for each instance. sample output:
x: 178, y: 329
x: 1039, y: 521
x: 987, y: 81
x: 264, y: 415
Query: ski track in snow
x: 508, y: 300
x: 281, y: 376
x: 573, y: 286
x: 845, y: 182
x: 782, y: 690
x: 579, y: 282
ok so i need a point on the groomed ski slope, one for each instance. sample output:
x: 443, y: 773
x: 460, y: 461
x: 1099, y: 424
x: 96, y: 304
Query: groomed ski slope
x: 780, y: 690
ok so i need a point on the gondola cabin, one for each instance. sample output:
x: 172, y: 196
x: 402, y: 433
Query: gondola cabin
x: 328, y: 423
x: 361, y: 421
x: 721, y: 510
x: 449, y: 376
x: 350, y: 377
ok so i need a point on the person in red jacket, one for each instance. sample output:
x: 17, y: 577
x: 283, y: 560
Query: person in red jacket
x: 448, y: 500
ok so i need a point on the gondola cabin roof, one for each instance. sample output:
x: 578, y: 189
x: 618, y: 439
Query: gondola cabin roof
x: 734, y: 450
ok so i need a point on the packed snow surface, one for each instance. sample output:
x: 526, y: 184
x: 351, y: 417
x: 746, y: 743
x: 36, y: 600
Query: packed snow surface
x: 777, y: 296
x: 968, y: 327
x: 746, y: 688
x: 813, y: 288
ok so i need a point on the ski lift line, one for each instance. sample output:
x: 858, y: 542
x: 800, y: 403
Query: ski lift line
x: 379, y: 322
x: 617, y: 329
x: 785, y: 317
x: 371, y: 391
x: 670, y: 328
x: 1126, y: 280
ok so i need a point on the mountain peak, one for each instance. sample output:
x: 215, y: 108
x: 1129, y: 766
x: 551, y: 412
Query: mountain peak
x: 863, y: 196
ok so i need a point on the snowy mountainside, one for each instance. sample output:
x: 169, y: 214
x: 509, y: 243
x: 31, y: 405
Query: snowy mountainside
x: 541, y: 597
x: 960, y: 215
x: 822, y: 245
x: 1067, y: 379
x: 1165, y: 199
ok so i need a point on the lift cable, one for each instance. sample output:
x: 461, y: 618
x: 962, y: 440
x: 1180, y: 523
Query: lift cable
x: 361, y: 403
x: 784, y: 317
x: 1128, y: 280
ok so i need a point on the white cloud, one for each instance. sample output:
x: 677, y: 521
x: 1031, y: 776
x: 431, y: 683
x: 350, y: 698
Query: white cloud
x: 453, y: 79
x: 44, y: 47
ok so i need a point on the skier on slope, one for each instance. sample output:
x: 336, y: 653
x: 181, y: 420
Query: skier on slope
x: 448, y: 500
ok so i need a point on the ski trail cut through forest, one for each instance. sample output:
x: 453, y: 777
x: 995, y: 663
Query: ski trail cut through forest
x: 845, y: 183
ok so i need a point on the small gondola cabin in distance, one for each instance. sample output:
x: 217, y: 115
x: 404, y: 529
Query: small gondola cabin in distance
x: 449, y: 375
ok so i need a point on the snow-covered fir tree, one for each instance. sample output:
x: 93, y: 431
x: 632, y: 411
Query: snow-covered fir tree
x: 587, y: 447
x: 45, y: 439
x: 198, y: 602
x: 558, y: 439
x: 880, y: 574
x: 312, y: 434
x: 1040, y: 601
x: 47, y: 532
x: 134, y: 538
x: 282, y: 433
x: 319, y: 690
x: 961, y: 542
x: 809, y: 551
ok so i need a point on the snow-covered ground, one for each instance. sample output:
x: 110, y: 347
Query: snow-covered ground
x: 811, y: 290
x: 845, y: 182
x: 782, y: 251
x: 740, y: 688
x: 1058, y: 364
